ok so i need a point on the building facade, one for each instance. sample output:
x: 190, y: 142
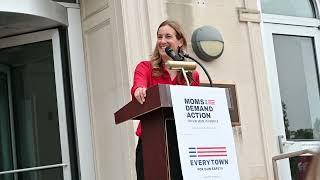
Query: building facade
x: 67, y: 66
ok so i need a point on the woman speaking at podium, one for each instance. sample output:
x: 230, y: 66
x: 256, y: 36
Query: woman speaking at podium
x: 153, y: 72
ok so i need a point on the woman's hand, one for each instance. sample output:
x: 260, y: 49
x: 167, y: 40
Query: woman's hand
x: 140, y: 94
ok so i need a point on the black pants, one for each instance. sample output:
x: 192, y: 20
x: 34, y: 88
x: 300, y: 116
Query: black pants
x: 139, y: 161
x: 174, y: 158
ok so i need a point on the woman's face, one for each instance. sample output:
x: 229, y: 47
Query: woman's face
x: 167, y: 38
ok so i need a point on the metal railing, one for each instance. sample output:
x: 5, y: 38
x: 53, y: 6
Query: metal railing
x: 33, y: 169
x: 289, y: 155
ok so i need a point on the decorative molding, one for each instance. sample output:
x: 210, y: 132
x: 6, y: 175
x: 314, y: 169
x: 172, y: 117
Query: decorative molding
x: 101, y: 17
x: 106, y: 6
x: 249, y: 15
x: 98, y: 26
x: 70, y: 5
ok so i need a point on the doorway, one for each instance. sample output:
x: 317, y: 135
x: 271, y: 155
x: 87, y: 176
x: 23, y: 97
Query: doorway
x: 33, y: 125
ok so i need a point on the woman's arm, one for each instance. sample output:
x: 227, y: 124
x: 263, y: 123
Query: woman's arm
x: 140, y: 81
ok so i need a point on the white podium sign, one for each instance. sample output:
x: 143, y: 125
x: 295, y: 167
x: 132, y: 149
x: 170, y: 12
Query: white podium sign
x: 204, y: 133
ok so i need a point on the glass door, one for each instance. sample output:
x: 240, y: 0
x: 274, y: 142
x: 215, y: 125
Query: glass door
x: 6, y: 135
x: 293, y: 68
x: 33, y: 128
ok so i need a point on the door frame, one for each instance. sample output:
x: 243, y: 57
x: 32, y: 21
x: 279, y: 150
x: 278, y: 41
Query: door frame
x: 53, y: 35
x: 269, y: 30
x: 289, y: 28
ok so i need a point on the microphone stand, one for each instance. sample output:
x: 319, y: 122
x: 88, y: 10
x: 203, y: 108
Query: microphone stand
x: 185, y: 76
x: 204, y: 69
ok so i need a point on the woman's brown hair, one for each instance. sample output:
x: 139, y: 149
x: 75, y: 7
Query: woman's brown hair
x: 156, y: 61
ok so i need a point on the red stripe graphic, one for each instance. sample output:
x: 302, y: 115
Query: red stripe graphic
x: 208, y: 151
x: 211, y: 147
x: 211, y: 101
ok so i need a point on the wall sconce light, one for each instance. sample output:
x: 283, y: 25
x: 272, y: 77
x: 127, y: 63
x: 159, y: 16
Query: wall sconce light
x: 207, y: 43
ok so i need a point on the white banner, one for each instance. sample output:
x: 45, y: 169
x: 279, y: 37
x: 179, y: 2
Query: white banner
x: 204, y: 133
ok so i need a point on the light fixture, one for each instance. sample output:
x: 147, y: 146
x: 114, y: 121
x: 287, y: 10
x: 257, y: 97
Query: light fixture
x: 207, y: 43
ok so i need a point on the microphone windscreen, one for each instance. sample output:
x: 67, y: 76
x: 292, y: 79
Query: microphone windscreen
x: 168, y: 50
x: 172, y: 54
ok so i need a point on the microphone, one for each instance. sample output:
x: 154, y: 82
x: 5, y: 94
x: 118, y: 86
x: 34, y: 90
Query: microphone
x: 174, y: 56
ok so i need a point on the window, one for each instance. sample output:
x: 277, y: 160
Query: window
x: 298, y: 8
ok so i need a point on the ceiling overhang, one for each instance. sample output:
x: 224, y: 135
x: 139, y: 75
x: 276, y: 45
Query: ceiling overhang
x: 17, y: 17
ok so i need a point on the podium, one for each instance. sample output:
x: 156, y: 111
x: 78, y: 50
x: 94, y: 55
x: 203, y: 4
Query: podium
x: 206, y: 143
x: 158, y: 131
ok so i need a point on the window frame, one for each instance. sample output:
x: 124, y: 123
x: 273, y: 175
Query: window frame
x: 314, y: 3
